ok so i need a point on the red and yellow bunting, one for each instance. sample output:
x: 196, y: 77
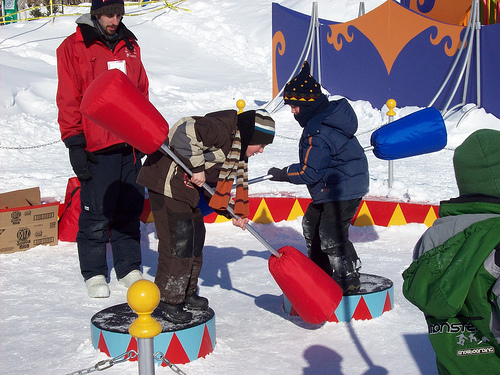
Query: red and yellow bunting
x: 372, y: 211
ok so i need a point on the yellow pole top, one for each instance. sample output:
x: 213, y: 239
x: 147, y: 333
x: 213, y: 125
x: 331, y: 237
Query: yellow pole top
x: 240, y: 104
x: 143, y: 296
x: 391, y: 104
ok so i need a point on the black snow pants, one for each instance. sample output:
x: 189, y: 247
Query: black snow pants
x: 326, y: 231
x: 112, y: 203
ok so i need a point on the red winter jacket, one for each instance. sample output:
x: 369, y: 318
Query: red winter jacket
x: 78, y: 65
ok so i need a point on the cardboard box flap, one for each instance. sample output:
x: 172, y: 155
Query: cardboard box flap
x: 20, y: 198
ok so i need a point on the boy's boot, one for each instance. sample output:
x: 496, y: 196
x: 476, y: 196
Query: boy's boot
x: 175, y: 313
x: 195, y: 302
x: 346, y: 272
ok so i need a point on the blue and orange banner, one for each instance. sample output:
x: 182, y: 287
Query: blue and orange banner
x: 390, y: 52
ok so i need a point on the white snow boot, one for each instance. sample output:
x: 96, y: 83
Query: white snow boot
x: 97, y: 287
x: 131, y: 278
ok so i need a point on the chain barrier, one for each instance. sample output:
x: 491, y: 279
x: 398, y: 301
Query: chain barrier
x: 105, y: 364
x: 159, y: 357
x: 131, y: 354
x: 357, y: 135
x: 29, y: 147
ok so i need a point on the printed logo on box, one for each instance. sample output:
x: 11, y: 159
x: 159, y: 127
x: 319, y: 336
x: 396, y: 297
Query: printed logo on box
x: 43, y: 241
x: 15, y: 217
x: 23, y: 238
x: 45, y: 216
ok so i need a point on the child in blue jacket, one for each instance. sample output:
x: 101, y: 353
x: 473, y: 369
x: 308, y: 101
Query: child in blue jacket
x: 333, y: 165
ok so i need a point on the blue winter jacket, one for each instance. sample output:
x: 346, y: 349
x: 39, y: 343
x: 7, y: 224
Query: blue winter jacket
x: 332, y: 163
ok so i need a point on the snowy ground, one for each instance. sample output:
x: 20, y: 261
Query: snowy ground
x: 198, y: 62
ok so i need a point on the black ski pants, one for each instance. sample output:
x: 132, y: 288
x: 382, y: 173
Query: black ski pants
x: 112, y: 203
x: 326, y: 231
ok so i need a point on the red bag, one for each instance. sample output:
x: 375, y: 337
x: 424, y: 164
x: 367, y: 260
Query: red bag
x: 68, y: 220
x: 312, y: 293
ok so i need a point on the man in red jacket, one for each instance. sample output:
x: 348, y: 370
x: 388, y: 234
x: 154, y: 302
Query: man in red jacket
x: 107, y: 167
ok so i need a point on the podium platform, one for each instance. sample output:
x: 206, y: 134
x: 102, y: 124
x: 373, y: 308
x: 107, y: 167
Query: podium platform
x: 179, y: 343
x: 375, y: 296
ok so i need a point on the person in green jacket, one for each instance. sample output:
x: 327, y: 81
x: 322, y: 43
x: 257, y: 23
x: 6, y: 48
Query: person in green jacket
x: 454, y: 278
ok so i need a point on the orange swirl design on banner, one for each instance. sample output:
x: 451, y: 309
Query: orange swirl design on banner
x: 390, y: 27
x: 278, y: 38
x: 455, y: 12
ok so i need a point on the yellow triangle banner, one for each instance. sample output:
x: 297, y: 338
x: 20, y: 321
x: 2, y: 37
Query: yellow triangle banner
x: 296, y: 211
x: 263, y: 214
x: 221, y: 219
x: 364, y: 217
x: 398, y: 218
x: 431, y: 216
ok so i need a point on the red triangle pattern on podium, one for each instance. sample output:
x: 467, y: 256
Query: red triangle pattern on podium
x: 175, y: 352
x: 362, y: 311
x: 206, y: 344
x: 102, y: 345
x: 387, y: 304
x: 333, y: 318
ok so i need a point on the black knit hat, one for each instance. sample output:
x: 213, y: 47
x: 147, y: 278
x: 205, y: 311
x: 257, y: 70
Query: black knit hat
x: 302, y: 89
x: 107, y: 7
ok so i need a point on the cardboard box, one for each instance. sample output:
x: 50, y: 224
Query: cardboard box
x: 25, y: 222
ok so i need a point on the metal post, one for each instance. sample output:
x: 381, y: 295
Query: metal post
x: 313, y: 28
x: 145, y: 348
x: 478, y: 54
x: 468, y: 31
x: 391, y: 104
x: 317, y: 40
x: 361, y: 11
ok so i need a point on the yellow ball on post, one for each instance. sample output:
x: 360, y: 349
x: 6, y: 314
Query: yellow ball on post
x: 143, y: 296
x: 240, y: 104
x: 391, y: 104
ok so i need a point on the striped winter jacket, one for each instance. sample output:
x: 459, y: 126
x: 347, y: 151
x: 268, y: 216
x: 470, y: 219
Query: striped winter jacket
x: 202, y: 143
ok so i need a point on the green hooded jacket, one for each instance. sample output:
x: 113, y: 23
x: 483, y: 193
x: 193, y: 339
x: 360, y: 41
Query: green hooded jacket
x: 454, y: 281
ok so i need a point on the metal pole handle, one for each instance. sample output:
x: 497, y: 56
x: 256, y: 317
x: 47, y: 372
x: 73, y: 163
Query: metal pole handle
x: 211, y: 191
x: 257, y: 179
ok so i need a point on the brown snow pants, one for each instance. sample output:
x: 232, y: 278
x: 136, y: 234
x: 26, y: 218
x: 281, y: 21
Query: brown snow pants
x: 181, y: 234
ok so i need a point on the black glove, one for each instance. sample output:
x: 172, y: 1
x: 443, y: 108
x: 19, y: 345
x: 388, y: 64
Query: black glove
x: 279, y: 174
x: 79, y: 157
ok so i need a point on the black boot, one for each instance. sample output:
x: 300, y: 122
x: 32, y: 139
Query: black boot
x: 175, y: 313
x: 346, y: 272
x: 195, y: 302
x: 350, y: 284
